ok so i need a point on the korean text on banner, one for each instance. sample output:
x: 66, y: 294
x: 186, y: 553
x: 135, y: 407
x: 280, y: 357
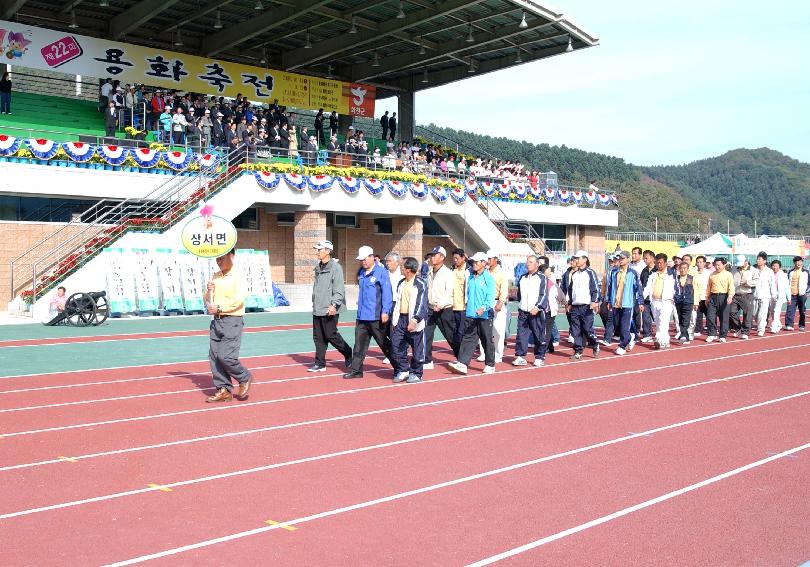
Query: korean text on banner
x: 41, y: 48
x: 120, y: 281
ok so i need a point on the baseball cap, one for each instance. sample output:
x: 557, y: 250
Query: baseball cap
x: 622, y: 254
x: 580, y: 254
x: 741, y: 260
x: 364, y: 252
x: 491, y: 254
x: 439, y: 250
x: 219, y: 114
x: 479, y: 257
x: 321, y: 244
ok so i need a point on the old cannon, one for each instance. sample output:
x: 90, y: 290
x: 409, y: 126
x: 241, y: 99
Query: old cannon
x: 84, y: 309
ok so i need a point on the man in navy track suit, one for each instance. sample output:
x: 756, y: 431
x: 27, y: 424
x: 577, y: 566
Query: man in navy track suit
x: 532, y: 309
x: 373, y: 308
x: 408, y: 326
x: 583, y: 302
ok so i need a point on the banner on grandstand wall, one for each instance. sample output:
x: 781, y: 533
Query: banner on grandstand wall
x: 120, y: 280
x: 147, y: 284
x: 192, y: 280
x: 41, y: 48
x: 255, y: 266
x: 169, y: 275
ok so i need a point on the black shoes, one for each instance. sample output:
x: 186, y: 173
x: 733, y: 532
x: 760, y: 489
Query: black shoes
x: 353, y: 374
x: 317, y: 368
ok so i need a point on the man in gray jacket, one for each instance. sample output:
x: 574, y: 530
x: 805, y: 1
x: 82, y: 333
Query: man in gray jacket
x: 328, y: 299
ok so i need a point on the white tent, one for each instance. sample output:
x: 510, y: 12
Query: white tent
x: 716, y: 245
x: 779, y: 246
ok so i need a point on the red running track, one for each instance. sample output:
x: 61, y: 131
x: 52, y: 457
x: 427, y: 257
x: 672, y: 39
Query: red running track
x: 452, y: 525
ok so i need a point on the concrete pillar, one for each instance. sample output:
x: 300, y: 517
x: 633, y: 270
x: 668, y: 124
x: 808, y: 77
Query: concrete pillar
x: 406, y: 236
x: 310, y: 227
x: 406, y: 115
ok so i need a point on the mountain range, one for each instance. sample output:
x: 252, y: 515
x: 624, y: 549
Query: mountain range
x: 734, y: 190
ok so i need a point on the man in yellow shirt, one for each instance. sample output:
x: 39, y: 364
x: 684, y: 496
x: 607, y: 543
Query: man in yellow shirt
x: 225, y: 299
x: 719, y: 296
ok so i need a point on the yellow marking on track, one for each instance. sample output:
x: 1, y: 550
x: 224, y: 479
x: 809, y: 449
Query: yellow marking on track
x: 68, y: 459
x: 159, y: 487
x: 281, y: 525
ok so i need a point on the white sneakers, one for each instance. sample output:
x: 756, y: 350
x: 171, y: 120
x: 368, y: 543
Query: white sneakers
x: 723, y: 340
x: 761, y: 333
x: 620, y: 351
x: 458, y: 368
x: 427, y: 366
x: 631, y: 345
x: 538, y: 362
x: 646, y: 340
x: 481, y: 358
x: 744, y: 337
x: 519, y: 361
x: 489, y: 370
x: 386, y: 361
x: 711, y: 339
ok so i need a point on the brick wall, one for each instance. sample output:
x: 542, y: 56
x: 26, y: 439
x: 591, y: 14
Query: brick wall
x: 20, y: 236
x: 277, y: 239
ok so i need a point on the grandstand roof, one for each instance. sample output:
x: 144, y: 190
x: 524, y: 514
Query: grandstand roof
x: 459, y: 37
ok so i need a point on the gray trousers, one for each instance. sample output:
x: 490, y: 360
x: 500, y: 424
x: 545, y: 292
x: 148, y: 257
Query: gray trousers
x: 742, y: 302
x: 226, y: 339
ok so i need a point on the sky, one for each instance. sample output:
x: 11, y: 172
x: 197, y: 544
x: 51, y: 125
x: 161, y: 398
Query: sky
x: 669, y: 83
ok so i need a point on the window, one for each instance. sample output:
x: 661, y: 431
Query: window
x: 349, y: 221
x: 383, y: 225
x: 44, y: 209
x: 248, y: 219
x: 553, y: 235
x: 431, y: 228
x: 285, y: 218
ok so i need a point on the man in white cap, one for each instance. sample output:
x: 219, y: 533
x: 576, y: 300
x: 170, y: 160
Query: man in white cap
x: 328, y: 300
x: 373, y: 309
x: 745, y: 281
x: 440, y: 303
x: 583, y: 302
x: 478, y: 318
x: 501, y: 312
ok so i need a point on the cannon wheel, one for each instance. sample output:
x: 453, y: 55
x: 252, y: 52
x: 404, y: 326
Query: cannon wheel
x: 102, y: 310
x: 81, y: 309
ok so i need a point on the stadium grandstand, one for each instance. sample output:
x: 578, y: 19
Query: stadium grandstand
x: 125, y: 117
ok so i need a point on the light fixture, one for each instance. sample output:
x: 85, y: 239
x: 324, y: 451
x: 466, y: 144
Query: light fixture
x: 517, y: 57
x: 471, y: 68
x: 178, y: 40
x: 259, y: 6
x: 421, y: 45
x: 73, y: 25
x: 523, y: 25
x: 569, y: 48
x: 218, y: 22
x: 470, y: 38
x: 103, y: 3
x: 264, y: 56
x: 401, y: 13
x: 329, y: 71
x: 353, y: 29
x: 308, y: 44
x: 424, y: 76
x: 375, y: 62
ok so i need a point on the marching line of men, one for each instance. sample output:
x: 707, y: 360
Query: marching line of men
x: 401, y: 310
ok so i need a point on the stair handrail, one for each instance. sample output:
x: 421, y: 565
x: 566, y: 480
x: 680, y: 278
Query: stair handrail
x: 160, y: 199
x: 501, y: 220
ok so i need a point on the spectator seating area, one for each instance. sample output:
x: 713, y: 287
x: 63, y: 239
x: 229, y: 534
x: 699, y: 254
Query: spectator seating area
x: 55, y: 118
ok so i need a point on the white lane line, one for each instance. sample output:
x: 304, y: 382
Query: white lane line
x: 161, y: 335
x: 360, y: 390
x: 201, y: 361
x: 635, y: 508
x: 407, y: 441
x: 462, y: 480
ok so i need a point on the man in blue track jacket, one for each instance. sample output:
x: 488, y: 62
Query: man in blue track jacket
x: 624, y: 294
x: 408, y: 326
x: 478, y: 317
x: 583, y: 302
x: 373, y: 309
x: 532, y: 310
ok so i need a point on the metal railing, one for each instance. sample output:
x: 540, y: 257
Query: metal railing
x: 55, y: 86
x: 152, y: 210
